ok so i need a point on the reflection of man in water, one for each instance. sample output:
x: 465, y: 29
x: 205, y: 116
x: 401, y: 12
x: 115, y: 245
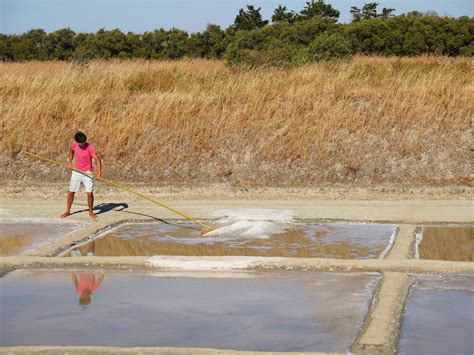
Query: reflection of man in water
x: 86, y: 284
x: 85, y: 250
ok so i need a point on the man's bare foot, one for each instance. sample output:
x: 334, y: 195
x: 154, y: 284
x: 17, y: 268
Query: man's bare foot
x: 65, y: 214
x: 93, y: 216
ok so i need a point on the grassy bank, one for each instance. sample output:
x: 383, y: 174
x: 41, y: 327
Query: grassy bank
x: 371, y: 120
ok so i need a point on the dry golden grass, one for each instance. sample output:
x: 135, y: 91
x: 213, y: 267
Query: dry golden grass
x: 371, y: 120
x: 13, y: 244
x: 290, y: 244
x: 447, y: 243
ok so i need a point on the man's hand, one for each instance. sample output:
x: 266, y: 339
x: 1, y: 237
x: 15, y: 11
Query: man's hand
x: 69, y: 166
x: 99, y: 166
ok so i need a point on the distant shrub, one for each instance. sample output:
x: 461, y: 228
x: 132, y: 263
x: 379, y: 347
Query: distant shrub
x: 329, y: 46
x: 280, y: 44
x: 274, y: 53
x: 467, y: 50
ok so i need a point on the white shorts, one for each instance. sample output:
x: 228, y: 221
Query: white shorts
x: 77, y: 178
x: 77, y: 252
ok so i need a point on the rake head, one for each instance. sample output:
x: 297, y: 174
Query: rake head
x: 205, y: 231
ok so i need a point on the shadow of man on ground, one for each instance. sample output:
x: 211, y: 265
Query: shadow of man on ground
x: 117, y: 207
x: 105, y: 207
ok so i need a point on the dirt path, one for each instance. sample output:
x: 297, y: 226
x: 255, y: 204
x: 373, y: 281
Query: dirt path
x: 401, y: 211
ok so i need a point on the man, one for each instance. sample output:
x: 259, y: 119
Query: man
x: 84, y: 153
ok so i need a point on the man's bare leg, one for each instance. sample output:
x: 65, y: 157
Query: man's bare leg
x: 90, y: 203
x: 70, y: 200
x: 91, y: 248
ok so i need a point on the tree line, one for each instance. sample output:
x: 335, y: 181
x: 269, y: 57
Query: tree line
x: 288, y: 38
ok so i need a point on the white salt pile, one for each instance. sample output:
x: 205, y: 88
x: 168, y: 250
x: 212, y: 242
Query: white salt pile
x: 250, y: 223
x: 253, y: 214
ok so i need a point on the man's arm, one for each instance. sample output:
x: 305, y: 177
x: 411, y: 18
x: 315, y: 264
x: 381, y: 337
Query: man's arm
x: 75, y: 281
x: 100, y: 279
x: 70, y: 158
x: 98, y: 163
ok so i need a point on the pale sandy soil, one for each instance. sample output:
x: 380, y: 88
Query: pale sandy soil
x: 378, y: 203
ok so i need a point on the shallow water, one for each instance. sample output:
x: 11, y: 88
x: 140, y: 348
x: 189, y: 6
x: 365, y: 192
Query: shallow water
x: 447, y: 243
x: 439, y: 318
x: 292, y: 311
x: 347, y: 241
x: 18, y: 237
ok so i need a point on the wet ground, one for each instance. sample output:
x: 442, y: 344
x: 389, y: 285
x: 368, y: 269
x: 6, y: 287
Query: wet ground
x: 447, y: 243
x: 439, y: 317
x: 342, y: 241
x: 19, y: 237
x: 265, y: 311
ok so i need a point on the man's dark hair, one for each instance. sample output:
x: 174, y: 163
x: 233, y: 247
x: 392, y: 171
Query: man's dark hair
x: 80, y: 137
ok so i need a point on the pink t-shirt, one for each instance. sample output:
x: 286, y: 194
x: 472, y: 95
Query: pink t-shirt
x: 83, y: 156
x: 87, y: 282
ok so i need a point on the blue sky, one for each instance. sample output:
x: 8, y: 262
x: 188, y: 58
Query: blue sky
x: 18, y: 16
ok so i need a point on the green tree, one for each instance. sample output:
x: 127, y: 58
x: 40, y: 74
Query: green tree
x: 280, y: 44
x: 59, y: 44
x: 356, y: 13
x: 386, y: 13
x: 369, y: 11
x: 319, y: 8
x: 281, y: 14
x: 135, y: 46
x: 250, y: 19
x: 175, y: 45
x: 104, y: 44
x: 154, y: 43
x: 30, y: 45
x: 411, y: 35
x: 6, y: 53
x: 211, y: 43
